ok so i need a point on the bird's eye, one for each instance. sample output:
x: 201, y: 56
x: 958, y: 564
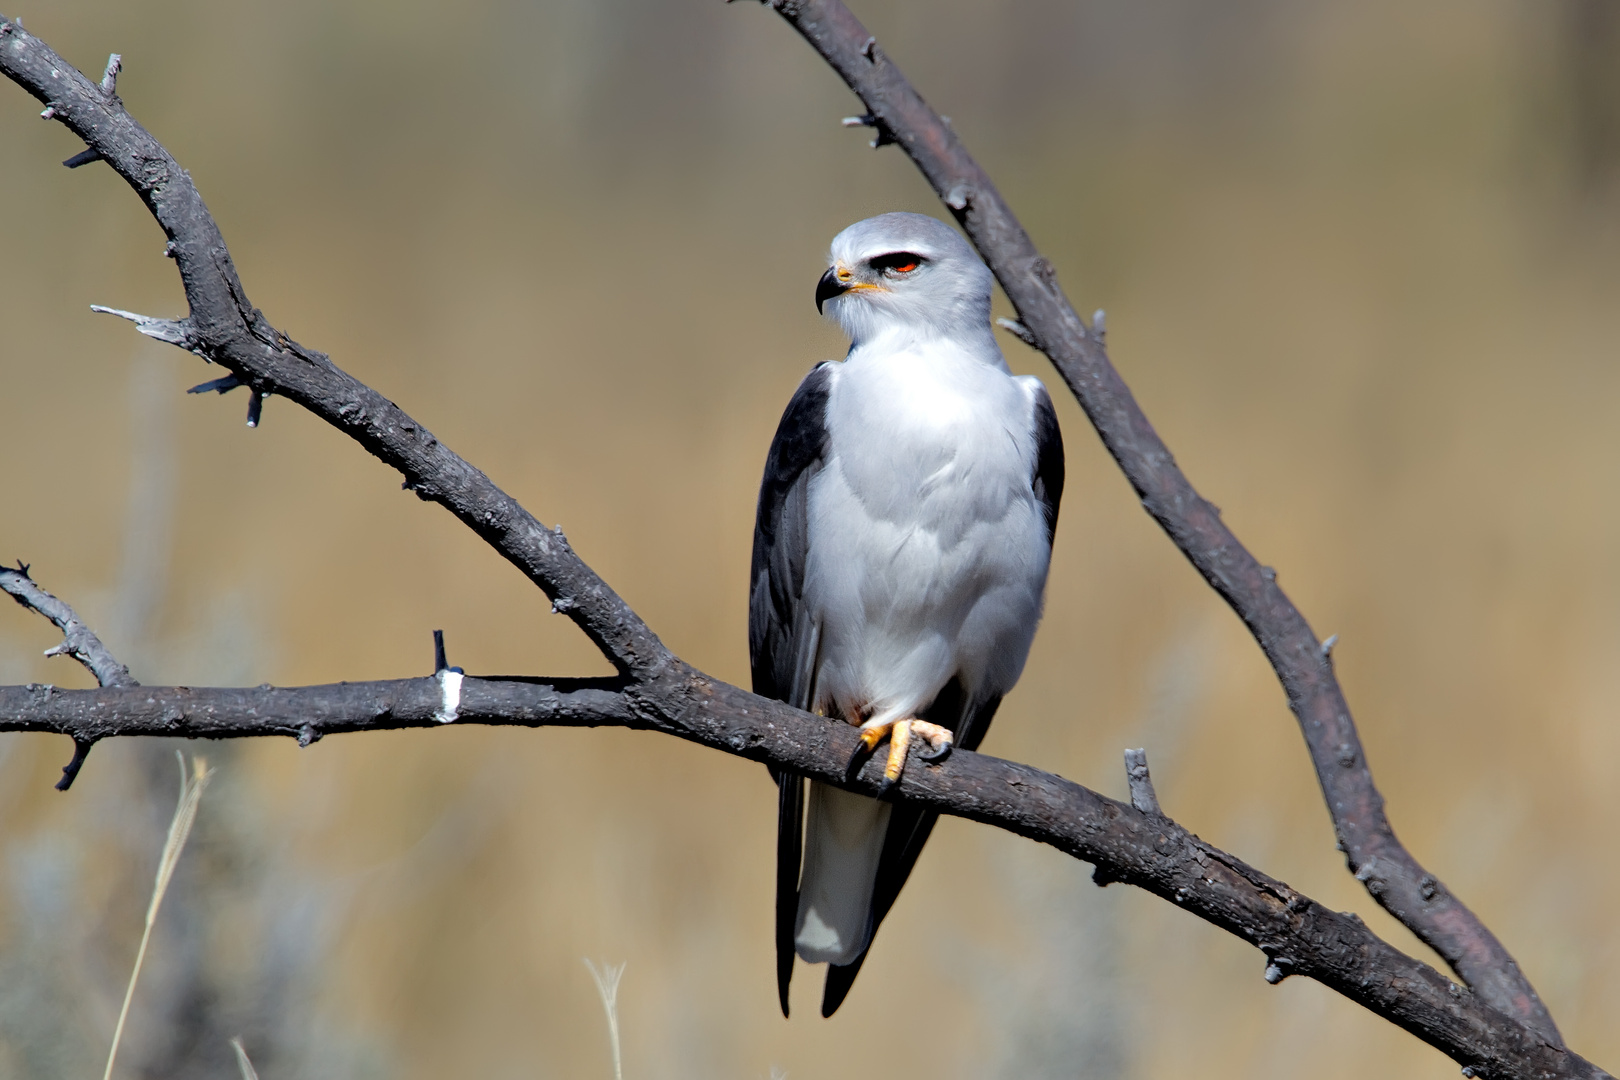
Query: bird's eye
x: 896, y: 262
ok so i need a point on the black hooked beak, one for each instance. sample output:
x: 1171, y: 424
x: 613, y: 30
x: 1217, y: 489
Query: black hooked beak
x: 828, y: 287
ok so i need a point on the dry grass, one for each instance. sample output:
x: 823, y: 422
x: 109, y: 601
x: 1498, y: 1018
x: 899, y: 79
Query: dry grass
x: 248, y: 1071
x: 607, y: 984
x: 185, y: 815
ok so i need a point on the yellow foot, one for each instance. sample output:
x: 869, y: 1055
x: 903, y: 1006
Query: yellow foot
x: 900, y: 734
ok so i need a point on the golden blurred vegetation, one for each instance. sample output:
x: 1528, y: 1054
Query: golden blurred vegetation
x: 1360, y: 264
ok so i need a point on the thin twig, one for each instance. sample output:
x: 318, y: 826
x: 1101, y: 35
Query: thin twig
x: 78, y: 641
x: 1394, y: 878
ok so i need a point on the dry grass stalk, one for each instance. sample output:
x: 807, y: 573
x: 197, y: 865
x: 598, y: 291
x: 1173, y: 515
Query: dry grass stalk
x: 185, y: 815
x: 607, y: 984
x: 248, y: 1071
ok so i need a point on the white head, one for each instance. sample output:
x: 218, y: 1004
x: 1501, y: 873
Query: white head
x: 905, y: 272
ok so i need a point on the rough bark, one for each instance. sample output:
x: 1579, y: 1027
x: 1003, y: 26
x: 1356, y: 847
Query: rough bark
x: 1048, y: 322
x: 655, y: 690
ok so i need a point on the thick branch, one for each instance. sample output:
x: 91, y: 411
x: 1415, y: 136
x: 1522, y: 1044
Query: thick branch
x: 225, y: 328
x: 1048, y: 322
x: 1297, y: 935
x: 656, y: 690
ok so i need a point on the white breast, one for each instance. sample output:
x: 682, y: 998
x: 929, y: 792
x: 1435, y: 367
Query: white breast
x: 928, y: 553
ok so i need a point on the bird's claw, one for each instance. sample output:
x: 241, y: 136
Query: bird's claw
x: 870, y: 737
x: 900, y: 733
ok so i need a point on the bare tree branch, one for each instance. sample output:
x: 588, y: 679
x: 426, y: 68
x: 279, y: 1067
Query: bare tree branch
x: 656, y: 690
x: 1047, y: 321
x: 78, y: 640
x: 223, y: 327
x: 1297, y: 935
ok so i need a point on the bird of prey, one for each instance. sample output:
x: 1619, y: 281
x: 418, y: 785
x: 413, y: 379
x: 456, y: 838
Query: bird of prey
x: 901, y: 548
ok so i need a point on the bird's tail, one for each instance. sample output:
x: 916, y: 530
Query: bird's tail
x: 843, y: 843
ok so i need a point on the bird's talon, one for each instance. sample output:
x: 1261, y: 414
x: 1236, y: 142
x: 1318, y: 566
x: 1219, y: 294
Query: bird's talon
x: 939, y: 739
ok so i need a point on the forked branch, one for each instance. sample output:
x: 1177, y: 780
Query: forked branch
x: 655, y: 690
x: 78, y: 640
x: 1048, y: 322
x: 1142, y: 848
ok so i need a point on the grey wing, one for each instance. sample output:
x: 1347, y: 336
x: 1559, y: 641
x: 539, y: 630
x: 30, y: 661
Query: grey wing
x: 783, y: 636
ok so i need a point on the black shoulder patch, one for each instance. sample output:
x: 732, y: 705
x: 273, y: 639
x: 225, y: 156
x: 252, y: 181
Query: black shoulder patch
x: 1048, y: 478
x: 781, y: 536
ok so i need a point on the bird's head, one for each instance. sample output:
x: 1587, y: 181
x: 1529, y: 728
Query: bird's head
x: 904, y: 271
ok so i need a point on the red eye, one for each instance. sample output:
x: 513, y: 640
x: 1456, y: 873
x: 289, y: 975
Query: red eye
x: 896, y: 262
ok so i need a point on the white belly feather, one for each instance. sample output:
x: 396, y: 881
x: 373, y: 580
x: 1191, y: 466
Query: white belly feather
x: 927, y: 559
x: 928, y: 552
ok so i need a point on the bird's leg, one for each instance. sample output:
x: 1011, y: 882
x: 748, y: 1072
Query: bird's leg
x: 900, y: 733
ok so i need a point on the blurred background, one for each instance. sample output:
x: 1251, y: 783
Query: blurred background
x: 1360, y: 263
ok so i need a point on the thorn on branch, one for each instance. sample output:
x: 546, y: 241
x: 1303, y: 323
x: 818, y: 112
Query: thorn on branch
x: 109, y: 79
x: 218, y: 386
x: 881, y: 135
x: 231, y: 382
x: 1275, y: 972
x: 1099, y: 326
x: 172, y: 331
x: 70, y: 771
x: 449, y: 682
x: 49, y: 113
x: 870, y: 50
x: 1327, y: 646
x: 1019, y: 331
x: 307, y: 735
x: 959, y: 197
x: 1140, y: 780
x: 83, y: 157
